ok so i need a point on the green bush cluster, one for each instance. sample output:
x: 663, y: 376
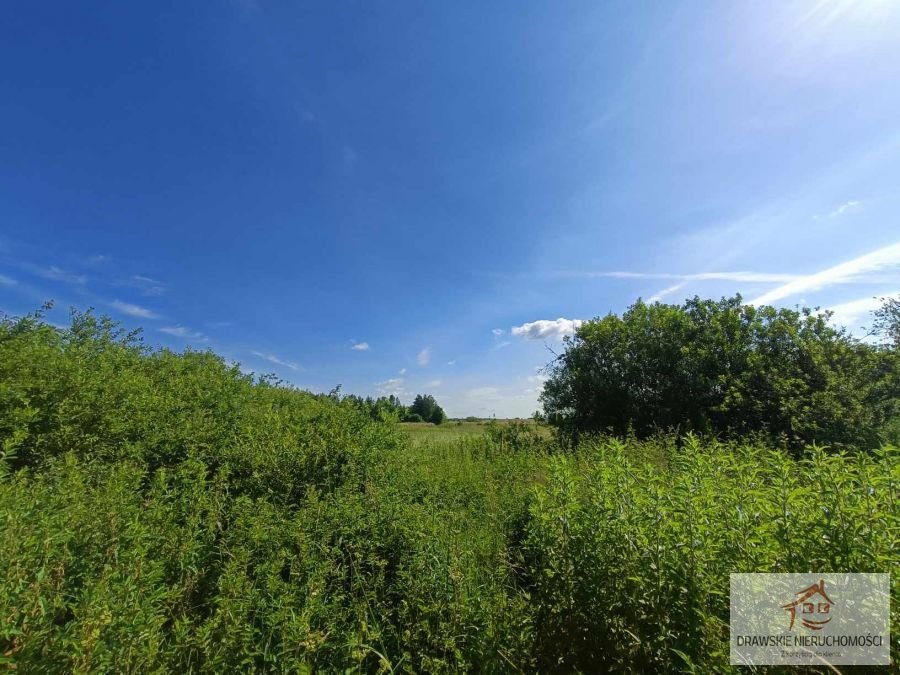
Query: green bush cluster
x: 727, y: 368
x: 163, y: 512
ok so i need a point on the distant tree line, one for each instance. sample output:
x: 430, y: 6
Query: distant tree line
x: 727, y: 368
x: 424, y: 408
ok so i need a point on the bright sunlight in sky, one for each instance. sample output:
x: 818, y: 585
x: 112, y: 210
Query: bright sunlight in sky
x: 424, y: 197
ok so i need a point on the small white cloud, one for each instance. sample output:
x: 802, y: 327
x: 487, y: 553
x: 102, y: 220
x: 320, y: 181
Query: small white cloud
x: 424, y: 357
x: 271, y: 358
x: 183, y: 332
x: 360, y: 347
x: 54, y: 273
x: 7, y: 281
x: 97, y: 259
x: 501, y: 345
x: 403, y: 371
x: 451, y: 363
x: 392, y: 386
x: 544, y: 329
x: 433, y: 383
x: 498, y: 332
x: 134, y: 310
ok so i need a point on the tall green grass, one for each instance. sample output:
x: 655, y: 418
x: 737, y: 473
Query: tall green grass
x: 629, y: 565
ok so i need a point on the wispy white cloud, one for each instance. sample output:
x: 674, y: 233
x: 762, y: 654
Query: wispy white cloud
x: 271, y: 358
x: 498, y: 332
x: 183, y: 332
x: 840, y: 210
x: 403, y: 371
x: 544, y: 329
x: 737, y: 276
x: 424, y: 357
x: 361, y: 347
x: 349, y: 158
x: 451, y: 363
x: 489, y: 394
x: 516, y: 398
x: 659, y: 295
x: 536, y: 383
x: 846, y: 272
x: 433, y: 383
x: 146, y: 285
x: 855, y: 313
x: 7, y: 281
x: 97, y: 259
x: 54, y: 273
x: 501, y: 345
x: 134, y: 310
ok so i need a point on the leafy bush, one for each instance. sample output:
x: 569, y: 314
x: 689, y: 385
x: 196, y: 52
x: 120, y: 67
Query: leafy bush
x: 726, y: 368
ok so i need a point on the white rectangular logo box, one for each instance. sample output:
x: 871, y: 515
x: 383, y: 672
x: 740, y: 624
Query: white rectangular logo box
x: 810, y: 619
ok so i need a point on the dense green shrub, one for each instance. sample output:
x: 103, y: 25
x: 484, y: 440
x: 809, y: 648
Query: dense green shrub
x: 727, y: 368
x: 97, y: 392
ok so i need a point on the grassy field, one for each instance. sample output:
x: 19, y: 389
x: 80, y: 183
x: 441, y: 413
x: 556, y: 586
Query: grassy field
x: 424, y: 432
x: 165, y: 513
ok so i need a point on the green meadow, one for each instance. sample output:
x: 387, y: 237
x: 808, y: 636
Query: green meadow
x: 423, y: 433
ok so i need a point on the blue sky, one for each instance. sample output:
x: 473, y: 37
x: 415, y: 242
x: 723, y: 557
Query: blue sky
x: 404, y: 197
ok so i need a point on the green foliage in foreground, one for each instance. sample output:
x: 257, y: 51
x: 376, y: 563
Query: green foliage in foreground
x: 630, y: 564
x: 165, y: 513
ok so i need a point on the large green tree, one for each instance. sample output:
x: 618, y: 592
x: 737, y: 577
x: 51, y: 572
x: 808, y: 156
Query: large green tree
x: 722, y: 367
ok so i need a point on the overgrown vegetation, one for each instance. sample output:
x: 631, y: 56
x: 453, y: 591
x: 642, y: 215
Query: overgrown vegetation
x: 163, y: 512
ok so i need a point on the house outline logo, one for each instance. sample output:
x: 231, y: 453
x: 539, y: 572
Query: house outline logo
x: 812, y: 604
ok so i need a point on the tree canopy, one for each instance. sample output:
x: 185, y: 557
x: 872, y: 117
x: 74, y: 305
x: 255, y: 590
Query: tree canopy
x: 427, y: 408
x: 423, y: 409
x: 722, y: 367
